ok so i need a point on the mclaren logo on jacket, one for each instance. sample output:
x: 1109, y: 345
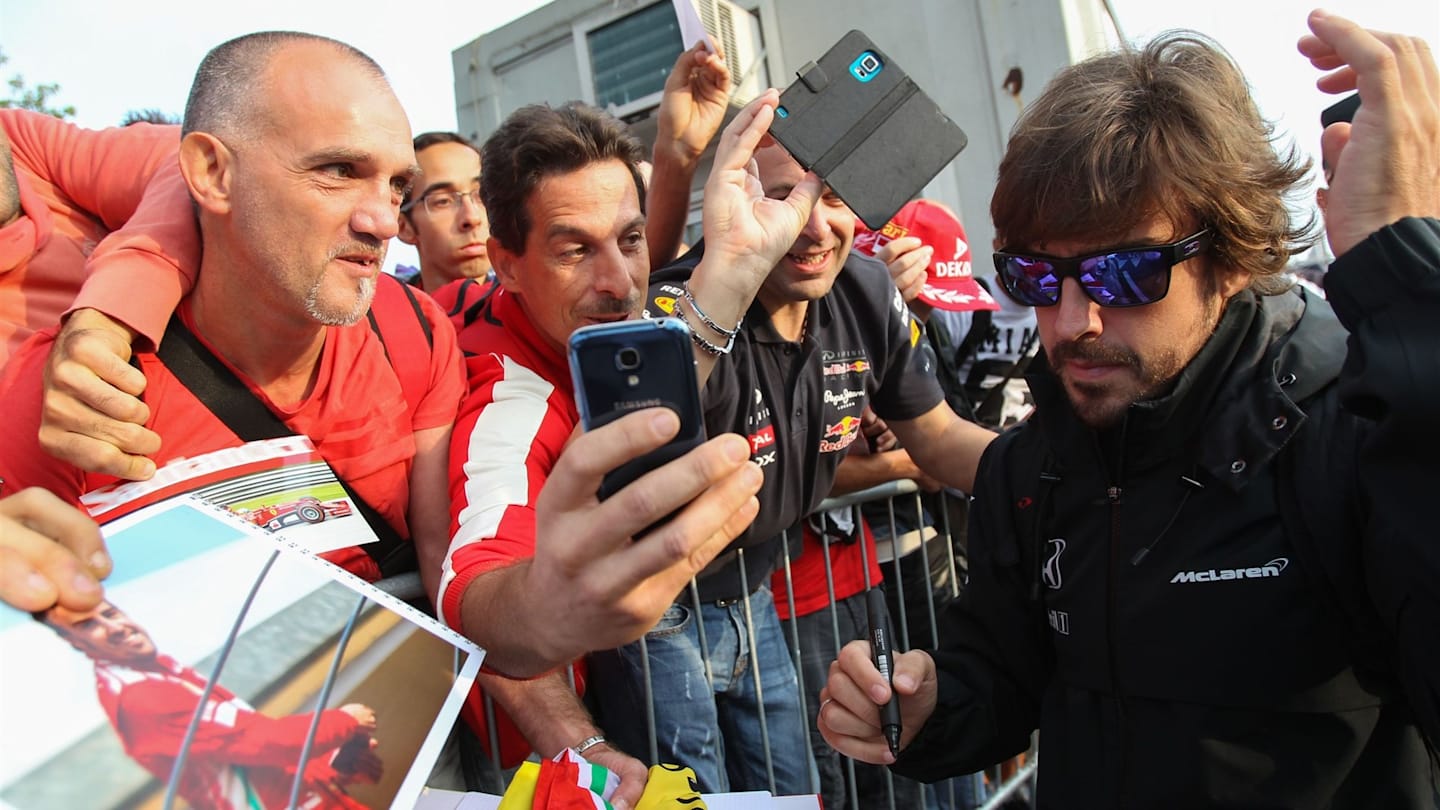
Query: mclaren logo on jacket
x: 1269, y: 569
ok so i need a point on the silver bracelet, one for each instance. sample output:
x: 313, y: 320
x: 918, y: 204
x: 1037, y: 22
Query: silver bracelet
x: 590, y: 742
x: 702, y: 341
x: 706, y: 319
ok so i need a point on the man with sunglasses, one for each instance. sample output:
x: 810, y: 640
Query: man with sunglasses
x: 1202, y: 568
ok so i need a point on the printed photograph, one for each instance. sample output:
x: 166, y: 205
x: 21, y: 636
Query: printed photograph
x: 228, y: 670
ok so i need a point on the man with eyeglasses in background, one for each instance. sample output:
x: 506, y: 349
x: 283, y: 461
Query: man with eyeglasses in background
x: 442, y: 215
x: 1205, y: 567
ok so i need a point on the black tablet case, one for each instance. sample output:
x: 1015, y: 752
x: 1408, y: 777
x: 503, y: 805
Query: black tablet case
x: 876, y: 143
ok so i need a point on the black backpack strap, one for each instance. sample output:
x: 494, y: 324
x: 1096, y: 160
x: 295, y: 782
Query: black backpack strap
x: 233, y: 403
x: 419, y: 318
x: 946, y: 371
x: 471, y: 309
x: 982, y: 326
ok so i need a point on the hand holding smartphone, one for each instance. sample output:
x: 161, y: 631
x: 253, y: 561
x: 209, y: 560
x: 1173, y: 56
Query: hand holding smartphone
x: 622, y: 367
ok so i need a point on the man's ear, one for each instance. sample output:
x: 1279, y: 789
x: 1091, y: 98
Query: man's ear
x: 1233, y: 281
x: 206, y: 165
x: 506, y: 264
x: 407, y: 233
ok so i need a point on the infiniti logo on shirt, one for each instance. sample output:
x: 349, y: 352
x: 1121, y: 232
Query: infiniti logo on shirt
x: 1269, y: 569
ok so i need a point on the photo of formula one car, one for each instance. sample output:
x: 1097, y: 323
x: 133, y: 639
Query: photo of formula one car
x: 306, y: 509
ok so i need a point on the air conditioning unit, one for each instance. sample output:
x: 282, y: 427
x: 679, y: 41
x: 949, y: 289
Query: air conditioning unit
x: 628, y: 56
x: 738, y: 33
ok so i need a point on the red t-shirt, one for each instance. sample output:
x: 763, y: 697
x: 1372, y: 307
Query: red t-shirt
x: 808, y: 573
x: 355, y: 416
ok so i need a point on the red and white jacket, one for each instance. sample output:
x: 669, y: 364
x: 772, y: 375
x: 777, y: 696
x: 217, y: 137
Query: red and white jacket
x: 518, y: 417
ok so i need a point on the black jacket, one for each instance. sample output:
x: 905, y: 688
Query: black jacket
x: 1138, y: 596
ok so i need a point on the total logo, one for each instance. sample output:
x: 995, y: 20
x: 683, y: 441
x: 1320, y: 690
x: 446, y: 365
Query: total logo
x: 764, y: 438
x: 853, y: 367
x: 665, y: 303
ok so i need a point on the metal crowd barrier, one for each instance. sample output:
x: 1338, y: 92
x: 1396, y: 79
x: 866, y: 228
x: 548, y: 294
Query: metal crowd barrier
x: 961, y: 792
x: 987, y: 790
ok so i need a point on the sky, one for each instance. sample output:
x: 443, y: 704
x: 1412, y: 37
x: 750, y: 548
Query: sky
x: 111, y: 57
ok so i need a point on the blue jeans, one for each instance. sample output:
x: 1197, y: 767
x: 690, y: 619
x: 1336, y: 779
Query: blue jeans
x: 713, y: 728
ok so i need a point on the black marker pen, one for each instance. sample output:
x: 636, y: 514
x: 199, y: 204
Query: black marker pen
x: 884, y: 661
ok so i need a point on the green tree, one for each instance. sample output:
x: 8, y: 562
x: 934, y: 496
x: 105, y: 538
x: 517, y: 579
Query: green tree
x: 150, y: 115
x: 37, y: 98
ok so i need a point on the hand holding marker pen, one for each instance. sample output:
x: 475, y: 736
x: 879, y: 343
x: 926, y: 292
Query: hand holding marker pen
x: 880, y: 647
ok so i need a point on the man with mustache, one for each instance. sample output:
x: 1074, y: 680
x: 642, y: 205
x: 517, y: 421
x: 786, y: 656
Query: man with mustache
x: 1204, y: 569
x: 568, y: 214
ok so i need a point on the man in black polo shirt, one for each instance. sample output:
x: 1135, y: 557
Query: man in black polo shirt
x: 814, y: 347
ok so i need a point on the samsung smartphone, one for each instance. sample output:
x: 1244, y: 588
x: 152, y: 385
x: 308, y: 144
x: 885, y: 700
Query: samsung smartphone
x: 864, y: 127
x: 625, y: 366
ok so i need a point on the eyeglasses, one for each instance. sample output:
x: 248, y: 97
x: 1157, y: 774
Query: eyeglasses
x: 440, y: 203
x: 1127, y: 277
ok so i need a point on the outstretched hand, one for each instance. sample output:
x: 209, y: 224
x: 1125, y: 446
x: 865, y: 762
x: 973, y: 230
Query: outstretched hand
x: 1387, y: 161
x: 600, y: 588
x: 746, y: 233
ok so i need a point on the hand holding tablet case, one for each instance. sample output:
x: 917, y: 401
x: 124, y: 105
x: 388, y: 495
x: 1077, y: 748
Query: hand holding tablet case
x: 864, y: 127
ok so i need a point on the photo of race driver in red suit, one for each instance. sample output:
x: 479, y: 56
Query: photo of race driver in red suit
x: 239, y: 758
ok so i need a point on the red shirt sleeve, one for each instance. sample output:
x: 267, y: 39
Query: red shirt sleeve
x: 511, y: 430
x: 128, y: 178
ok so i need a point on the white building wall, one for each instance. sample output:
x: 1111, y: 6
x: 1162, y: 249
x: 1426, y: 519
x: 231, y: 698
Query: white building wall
x: 959, y: 51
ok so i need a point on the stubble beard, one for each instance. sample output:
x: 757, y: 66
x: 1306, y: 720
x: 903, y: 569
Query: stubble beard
x: 1102, y: 405
x: 339, y: 315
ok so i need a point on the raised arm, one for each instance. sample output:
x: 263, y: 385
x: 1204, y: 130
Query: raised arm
x: 1383, y: 221
x: 693, y: 105
x: 746, y: 233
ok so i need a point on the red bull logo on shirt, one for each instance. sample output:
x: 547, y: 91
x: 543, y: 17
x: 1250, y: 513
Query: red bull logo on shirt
x: 854, y: 367
x: 843, y: 432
